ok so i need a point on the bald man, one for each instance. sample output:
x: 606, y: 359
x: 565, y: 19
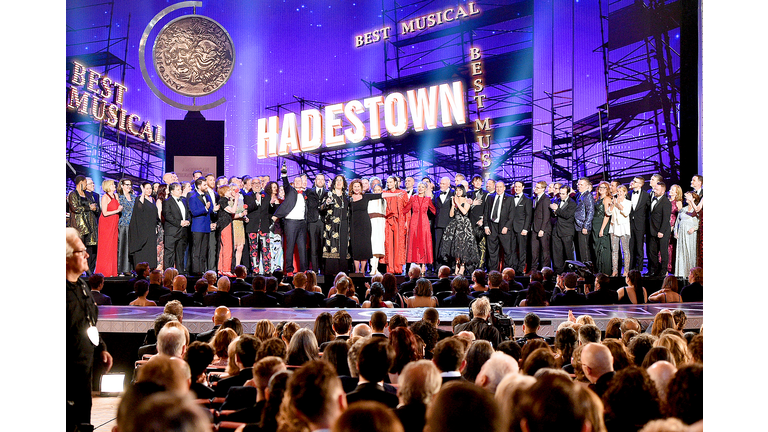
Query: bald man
x: 170, y: 177
x: 443, y: 283
x: 170, y: 372
x: 662, y: 373
x: 179, y: 293
x: 220, y: 315
x: 597, y: 363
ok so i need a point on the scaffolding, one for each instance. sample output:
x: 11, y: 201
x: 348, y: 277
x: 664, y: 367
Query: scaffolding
x: 94, y: 148
x: 504, y: 32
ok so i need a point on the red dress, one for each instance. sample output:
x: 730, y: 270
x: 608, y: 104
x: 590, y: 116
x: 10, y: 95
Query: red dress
x: 394, y: 232
x: 106, y: 254
x: 419, y: 232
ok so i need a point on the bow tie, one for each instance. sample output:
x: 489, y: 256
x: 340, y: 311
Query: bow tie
x: 178, y: 199
x: 518, y: 196
x: 443, y: 192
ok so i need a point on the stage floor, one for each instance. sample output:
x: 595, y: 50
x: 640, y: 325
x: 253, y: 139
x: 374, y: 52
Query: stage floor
x: 131, y: 319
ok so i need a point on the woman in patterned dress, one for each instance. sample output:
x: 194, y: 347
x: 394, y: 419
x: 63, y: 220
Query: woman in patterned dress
x: 459, y: 242
x: 336, y: 228
x: 162, y: 193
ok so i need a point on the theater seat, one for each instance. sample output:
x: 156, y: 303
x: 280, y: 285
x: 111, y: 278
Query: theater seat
x: 227, y: 426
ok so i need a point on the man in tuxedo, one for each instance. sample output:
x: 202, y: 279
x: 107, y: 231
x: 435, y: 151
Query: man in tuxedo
x: 497, y: 224
x: 221, y: 297
x: 448, y: 356
x: 585, y: 212
x: 410, y: 182
x: 659, y: 231
x: 315, y: 196
x: 300, y: 297
x: 697, y: 183
x: 340, y: 299
x: 201, y: 209
x: 522, y: 213
x: 562, y: 234
x: 259, y: 297
x: 443, y: 201
x: 293, y: 211
x: 176, y: 226
x: 214, y: 240
x: 476, y: 213
x: 541, y: 227
x: 239, y: 284
x: 257, y: 229
x: 373, y: 362
x: 638, y: 216
x: 178, y: 293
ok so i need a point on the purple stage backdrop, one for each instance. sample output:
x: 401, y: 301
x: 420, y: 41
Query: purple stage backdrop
x: 569, y: 94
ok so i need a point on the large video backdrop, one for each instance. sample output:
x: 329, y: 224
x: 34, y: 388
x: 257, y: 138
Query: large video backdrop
x: 546, y: 89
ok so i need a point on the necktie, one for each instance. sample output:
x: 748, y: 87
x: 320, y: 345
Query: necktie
x: 497, y: 209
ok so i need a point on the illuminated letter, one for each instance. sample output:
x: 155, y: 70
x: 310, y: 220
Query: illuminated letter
x: 289, y: 136
x: 445, y: 14
x: 97, y: 113
x: 431, y: 20
x: 159, y: 138
x: 119, y: 93
x: 485, y: 159
x: 423, y: 108
x: 106, y: 87
x: 77, y: 102
x: 439, y: 17
x: 407, y: 27
x: 473, y: 10
x: 477, y: 68
x: 93, y: 81
x: 358, y: 41
x: 385, y: 31
x: 395, y: 108
x: 479, y: 100
x: 311, y: 130
x: 121, y: 123
x: 374, y: 118
x: 112, y: 115
x: 266, y: 141
x: 129, y: 125
x: 146, y: 132
x: 482, y: 125
x: 452, y: 102
x: 331, y: 124
x: 479, y: 85
x: 78, y: 74
x: 461, y: 13
x: 474, y: 53
x: 484, y: 143
x: 351, y: 110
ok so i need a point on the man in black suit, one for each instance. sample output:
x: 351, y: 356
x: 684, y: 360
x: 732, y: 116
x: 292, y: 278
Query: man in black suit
x: 419, y: 384
x: 156, y: 288
x: 341, y: 323
x: 659, y: 231
x: 494, y: 293
x: 221, y: 297
x: 259, y: 297
x: 694, y: 291
x: 176, y: 226
x: 443, y: 283
x: 178, y: 293
x: 498, y: 226
x: 340, y: 299
x: 443, y: 200
x: 476, y: 214
x: 448, y: 356
x: 220, y: 315
x: 379, y: 322
x: 375, y: 359
x: 602, y: 295
x: 240, y: 285
x: 257, y: 229
x: 637, y: 220
x: 569, y: 296
x: 414, y: 273
x: 300, y: 297
x: 315, y: 196
x: 522, y: 213
x: 246, y: 348
x: 541, y: 227
x: 293, y: 212
x: 562, y: 234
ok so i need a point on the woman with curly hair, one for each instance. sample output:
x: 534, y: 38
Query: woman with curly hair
x: 336, y: 227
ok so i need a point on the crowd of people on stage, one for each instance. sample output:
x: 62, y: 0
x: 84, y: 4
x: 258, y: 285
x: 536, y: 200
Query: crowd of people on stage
x: 368, y: 225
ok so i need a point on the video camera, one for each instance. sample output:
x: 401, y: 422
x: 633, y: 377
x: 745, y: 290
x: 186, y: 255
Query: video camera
x: 499, y: 319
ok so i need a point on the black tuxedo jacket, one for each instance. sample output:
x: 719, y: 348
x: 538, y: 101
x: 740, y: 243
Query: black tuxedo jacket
x: 313, y: 203
x: 566, y: 222
x: 172, y: 216
x: 569, y: 298
x: 505, y: 218
x: 156, y: 291
x: 240, y: 285
x: 184, y: 298
x: 406, y: 286
x: 340, y: 301
x: 291, y: 195
x: 258, y: 213
x: 443, y: 215
x: 522, y: 213
x: 299, y: 297
x: 223, y: 386
x: 603, y: 296
x: 638, y: 215
x: 496, y: 295
x: 372, y: 392
x: 206, y: 336
x: 258, y: 299
x: 478, y: 211
x: 441, y: 285
x: 658, y: 218
x: 221, y: 298
x: 542, y: 216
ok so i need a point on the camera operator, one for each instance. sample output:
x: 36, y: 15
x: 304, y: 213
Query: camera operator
x: 479, y: 326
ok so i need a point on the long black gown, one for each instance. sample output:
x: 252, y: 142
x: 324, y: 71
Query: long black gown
x: 142, y: 233
x: 336, y: 234
x: 360, y: 234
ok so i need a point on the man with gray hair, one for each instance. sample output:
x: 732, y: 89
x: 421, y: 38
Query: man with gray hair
x: 495, y: 369
x: 479, y: 326
x: 418, y: 383
x: 589, y: 333
x: 172, y: 342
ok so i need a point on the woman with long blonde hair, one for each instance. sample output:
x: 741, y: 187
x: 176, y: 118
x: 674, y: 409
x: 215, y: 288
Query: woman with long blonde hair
x: 106, y: 254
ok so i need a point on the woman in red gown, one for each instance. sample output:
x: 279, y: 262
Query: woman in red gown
x: 394, y: 232
x: 419, y: 232
x: 106, y: 255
